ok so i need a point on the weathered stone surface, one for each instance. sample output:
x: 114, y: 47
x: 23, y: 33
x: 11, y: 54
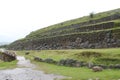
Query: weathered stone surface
x: 117, y: 66
x: 76, y: 37
x: 49, y: 60
x: 97, y: 68
x: 38, y: 59
x: 70, y: 63
x: 7, y: 56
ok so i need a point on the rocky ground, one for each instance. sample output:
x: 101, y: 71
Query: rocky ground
x: 25, y: 71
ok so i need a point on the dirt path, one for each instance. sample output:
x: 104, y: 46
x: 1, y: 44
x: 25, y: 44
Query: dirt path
x: 25, y: 71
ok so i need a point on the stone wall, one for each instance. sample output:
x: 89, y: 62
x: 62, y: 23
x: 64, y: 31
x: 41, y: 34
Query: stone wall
x: 101, y: 39
x: 101, y: 26
x: 62, y: 30
x: 77, y: 25
x: 87, y: 28
x: 90, y: 34
x: 96, y: 27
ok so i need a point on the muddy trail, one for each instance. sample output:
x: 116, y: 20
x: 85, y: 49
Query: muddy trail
x: 26, y: 71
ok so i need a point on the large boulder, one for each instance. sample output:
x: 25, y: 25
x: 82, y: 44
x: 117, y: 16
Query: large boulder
x: 117, y: 66
x: 97, y: 68
x: 7, y: 56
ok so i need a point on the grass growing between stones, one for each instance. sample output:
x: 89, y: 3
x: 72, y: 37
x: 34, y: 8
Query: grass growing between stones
x: 7, y: 65
x: 81, y: 73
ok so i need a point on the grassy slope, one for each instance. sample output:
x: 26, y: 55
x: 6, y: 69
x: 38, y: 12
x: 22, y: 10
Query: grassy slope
x: 68, y: 31
x: 71, y: 34
x: 46, y: 30
x: 75, y: 73
x: 50, y: 32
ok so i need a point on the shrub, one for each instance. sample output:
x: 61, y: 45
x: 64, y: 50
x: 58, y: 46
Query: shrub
x: 91, y: 15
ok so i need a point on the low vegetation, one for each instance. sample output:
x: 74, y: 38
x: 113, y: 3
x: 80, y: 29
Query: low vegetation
x: 99, y: 56
x: 7, y: 65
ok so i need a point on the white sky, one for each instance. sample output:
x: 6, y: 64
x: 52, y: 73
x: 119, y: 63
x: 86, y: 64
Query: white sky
x: 19, y: 17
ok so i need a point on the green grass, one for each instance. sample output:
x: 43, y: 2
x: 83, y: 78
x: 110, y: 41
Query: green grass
x: 82, y: 73
x: 79, y: 73
x: 75, y: 54
x: 8, y: 65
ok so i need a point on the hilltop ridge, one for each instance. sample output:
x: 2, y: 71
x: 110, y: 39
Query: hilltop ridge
x: 100, y: 31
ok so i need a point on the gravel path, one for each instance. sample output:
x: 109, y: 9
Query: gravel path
x: 25, y: 71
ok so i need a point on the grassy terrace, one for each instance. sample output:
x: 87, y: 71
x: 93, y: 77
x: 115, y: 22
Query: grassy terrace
x: 115, y: 31
x: 74, y: 21
x: 81, y: 73
x: 80, y: 20
x: 50, y: 32
x: 72, y: 30
x: 77, y: 33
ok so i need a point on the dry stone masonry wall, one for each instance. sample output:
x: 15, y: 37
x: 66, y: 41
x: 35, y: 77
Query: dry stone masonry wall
x: 77, y: 25
x: 90, y: 34
x: 102, y: 39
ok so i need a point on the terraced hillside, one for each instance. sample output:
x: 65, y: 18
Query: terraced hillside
x: 100, y: 31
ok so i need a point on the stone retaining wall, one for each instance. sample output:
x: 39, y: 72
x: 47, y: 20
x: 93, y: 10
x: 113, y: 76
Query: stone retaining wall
x: 79, y: 36
x: 77, y: 25
x: 102, y: 39
x: 101, y: 26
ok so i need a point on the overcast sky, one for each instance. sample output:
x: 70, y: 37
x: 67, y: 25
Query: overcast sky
x: 19, y: 17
